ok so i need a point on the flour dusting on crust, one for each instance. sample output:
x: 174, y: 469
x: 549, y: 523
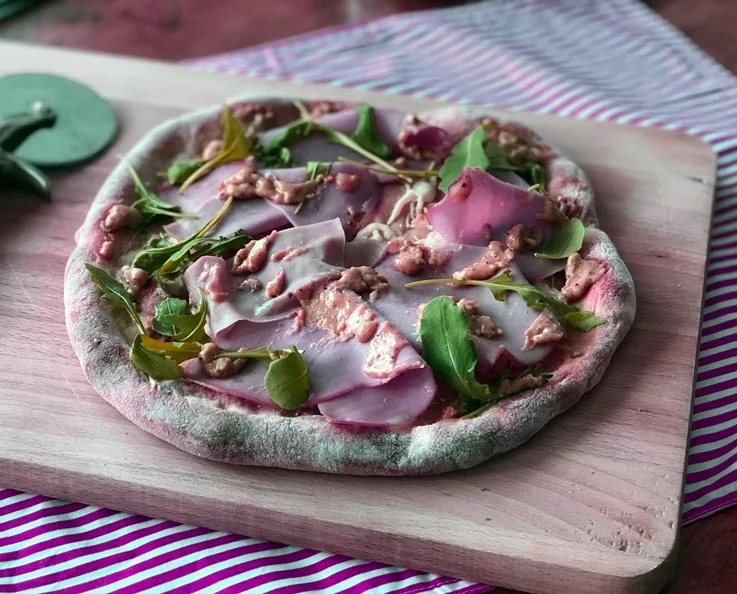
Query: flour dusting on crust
x: 221, y: 428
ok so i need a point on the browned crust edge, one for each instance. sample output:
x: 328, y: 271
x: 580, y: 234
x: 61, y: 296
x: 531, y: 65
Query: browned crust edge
x: 221, y: 429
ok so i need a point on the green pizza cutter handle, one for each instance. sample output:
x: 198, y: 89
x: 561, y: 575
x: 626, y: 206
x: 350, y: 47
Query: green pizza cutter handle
x: 14, y: 130
x: 22, y: 175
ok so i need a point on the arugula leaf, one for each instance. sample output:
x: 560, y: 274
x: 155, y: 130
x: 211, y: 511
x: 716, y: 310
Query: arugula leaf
x: 179, y: 351
x: 584, y: 320
x: 276, y: 153
x: 497, y: 157
x: 191, y: 327
x: 315, y: 168
x: 534, y: 298
x: 367, y: 136
x: 286, y: 381
x: 170, y: 306
x: 235, y: 146
x: 444, y: 330
x: 153, y: 364
x: 149, y: 204
x: 469, y: 152
x: 278, y: 158
x: 158, y: 252
x: 153, y: 254
x: 223, y: 246
x: 538, y: 175
x: 172, y: 318
x: 175, y: 259
x: 430, y: 172
x: 566, y: 240
x: 506, y: 375
x: 183, y: 248
x: 257, y: 353
x: 115, y: 292
x: 181, y: 170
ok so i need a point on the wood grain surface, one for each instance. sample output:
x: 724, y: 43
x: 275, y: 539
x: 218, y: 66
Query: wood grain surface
x: 591, y: 504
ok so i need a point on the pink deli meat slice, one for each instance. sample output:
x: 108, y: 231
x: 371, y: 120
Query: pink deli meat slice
x: 335, y: 371
x: 254, y: 217
x: 513, y: 316
x: 363, y: 252
x: 397, y: 403
x: 203, y: 190
x: 258, y: 216
x: 306, y: 256
x: 330, y: 202
x: 537, y: 269
x: 479, y: 208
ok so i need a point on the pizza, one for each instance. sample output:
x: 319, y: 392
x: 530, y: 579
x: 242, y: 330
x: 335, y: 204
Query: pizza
x: 341, y: 288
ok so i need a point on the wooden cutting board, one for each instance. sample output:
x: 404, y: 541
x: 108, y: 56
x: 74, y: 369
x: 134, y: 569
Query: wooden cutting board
x: 591, y: 504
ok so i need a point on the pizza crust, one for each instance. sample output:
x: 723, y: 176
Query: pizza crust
x: 226, y: 429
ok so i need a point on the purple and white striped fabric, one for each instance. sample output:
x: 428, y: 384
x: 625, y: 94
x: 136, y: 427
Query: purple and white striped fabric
x: 607, y: 60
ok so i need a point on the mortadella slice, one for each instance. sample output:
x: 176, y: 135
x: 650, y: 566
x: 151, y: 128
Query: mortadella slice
x: 200, y: 192
x: 303, y: 257
x: 397, y: 403
x: 331, y: 201
x: 337, y: 367
x: 254, y: 217
x: 512, y: 316
x: 479, y: 208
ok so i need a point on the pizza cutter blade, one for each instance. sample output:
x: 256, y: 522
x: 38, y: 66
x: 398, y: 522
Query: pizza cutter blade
x: 49, y: 121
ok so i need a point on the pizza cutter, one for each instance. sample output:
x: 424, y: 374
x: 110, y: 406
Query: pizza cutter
x: 48, y: 121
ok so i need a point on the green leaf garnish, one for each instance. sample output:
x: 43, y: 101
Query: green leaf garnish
x: 476, y: 150
x: 115, y: 292
x: 286, y: 381
x: 566, y: 240
x: 534, y: 298
x: 276, y: 154
x: 278, y: 158
x: 182, y: 249
x: 235, y: 147
x: 172, y: 318
x: 583, y: 319
x: 367, y: 136
x: 448, y: 350
x: 150, y: 205
x: 537, y: 175
x: 178, y: 172
x: 469, y: 152
x: 430, y: 172
x: 151, y: 362
x: 315, y: 168
x: 179, y: 351
x: 497, y: 156
x: 154, y: 254
x: 221, y: 247
x: 170, y: 306
x: 506, y: 375
x: 257, y: 353
x: 158, y: 252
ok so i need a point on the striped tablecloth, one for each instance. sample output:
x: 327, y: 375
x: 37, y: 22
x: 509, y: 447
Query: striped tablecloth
x: 607, y: 60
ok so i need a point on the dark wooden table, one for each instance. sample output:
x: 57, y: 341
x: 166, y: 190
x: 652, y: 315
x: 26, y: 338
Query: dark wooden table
x: 179, y: 29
